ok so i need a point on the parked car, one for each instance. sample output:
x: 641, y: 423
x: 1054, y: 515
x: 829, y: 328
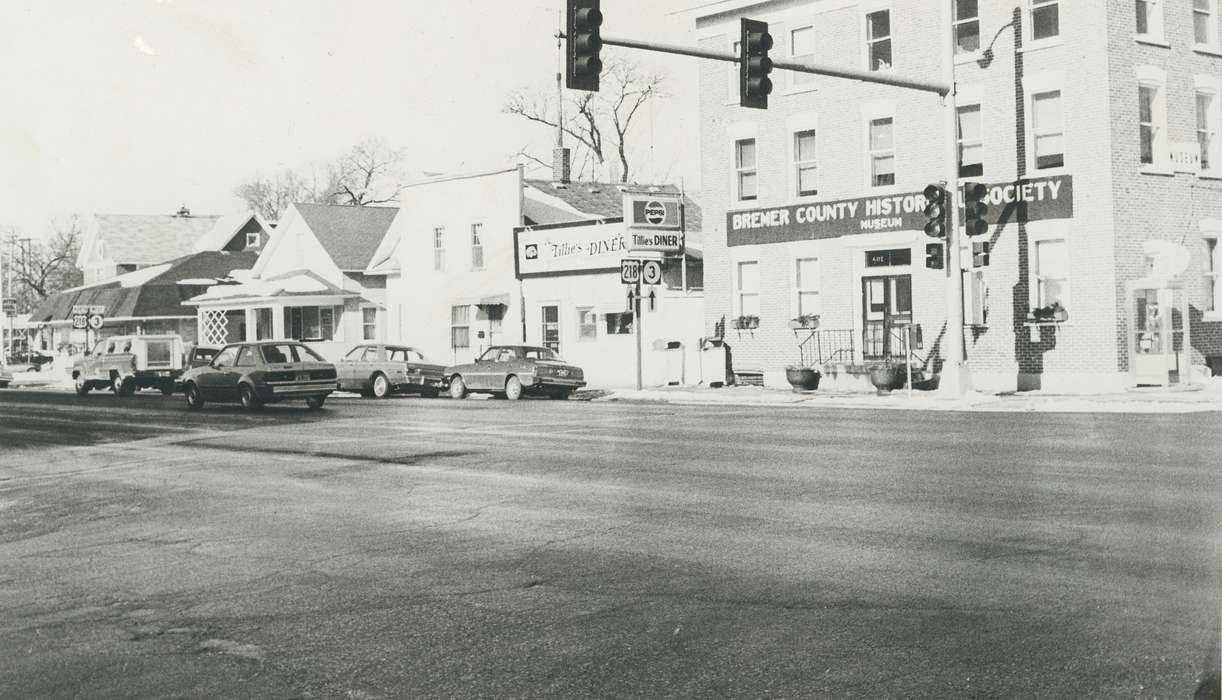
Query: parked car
x: 29, y: 360
x: 514, y: 370
x: 253, y: 374
x: 125, y: 363
x: 5, y: 378
x: 376, y: 369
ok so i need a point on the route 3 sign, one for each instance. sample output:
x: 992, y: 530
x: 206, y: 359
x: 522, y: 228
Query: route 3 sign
x: 630, y: 270
x: 95, y: 321
x: 651, y: 271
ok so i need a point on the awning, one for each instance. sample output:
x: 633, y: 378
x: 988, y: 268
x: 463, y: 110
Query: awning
x: 485, y: 300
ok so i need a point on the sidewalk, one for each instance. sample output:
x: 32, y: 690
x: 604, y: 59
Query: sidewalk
x: 1203, y: 397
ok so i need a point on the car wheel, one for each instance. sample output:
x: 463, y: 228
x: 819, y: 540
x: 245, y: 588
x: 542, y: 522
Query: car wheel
x: 82, y: 385
x: 315, y: 402
x: 195, y: 400
x: 379, y: 386
x: 513, y: 388
x: 124, y: 386
x: 250, y: 402
x: 458, y: 388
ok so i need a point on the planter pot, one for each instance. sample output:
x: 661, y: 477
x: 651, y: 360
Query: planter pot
x: 888, y: 377
x: 803, y: 378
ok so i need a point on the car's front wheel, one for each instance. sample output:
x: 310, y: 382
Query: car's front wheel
x: 195, y: 400
x: 513, y: 388
x: 315, y: 402
x: 458, y: 388
x: 124, y: 386
x: 380, y: 386
x: 250, y: 402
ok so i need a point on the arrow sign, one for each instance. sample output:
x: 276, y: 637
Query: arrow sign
x: 653, y: 295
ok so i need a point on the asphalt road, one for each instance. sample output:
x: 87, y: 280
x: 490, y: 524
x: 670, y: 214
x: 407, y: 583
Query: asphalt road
x: 435, y: 548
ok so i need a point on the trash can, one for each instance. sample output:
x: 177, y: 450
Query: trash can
x: 714, y: 362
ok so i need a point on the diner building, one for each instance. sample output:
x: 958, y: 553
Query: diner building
x: 1093, y: 127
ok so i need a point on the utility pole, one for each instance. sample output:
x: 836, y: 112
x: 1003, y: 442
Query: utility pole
x: 956, y: 379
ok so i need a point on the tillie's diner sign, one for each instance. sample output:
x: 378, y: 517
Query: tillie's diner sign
x: 1022, y: 201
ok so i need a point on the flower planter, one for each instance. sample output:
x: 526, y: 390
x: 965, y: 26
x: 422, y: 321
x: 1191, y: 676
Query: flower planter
x: 803, y: 378
x: 888, y: 377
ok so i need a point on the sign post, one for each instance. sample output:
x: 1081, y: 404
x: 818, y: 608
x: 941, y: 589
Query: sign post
x: 630, y: 273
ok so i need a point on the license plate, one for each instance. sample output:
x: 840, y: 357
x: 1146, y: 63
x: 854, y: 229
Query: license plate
x: 562, y: 373
x: 303, y: 377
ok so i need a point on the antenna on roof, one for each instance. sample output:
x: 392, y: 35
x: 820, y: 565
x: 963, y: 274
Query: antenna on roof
x: 183, y: 211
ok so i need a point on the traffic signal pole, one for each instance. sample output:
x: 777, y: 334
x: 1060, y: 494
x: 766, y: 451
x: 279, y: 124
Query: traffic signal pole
x: 955, y: 380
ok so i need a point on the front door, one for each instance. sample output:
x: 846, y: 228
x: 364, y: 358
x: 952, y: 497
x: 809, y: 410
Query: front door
x: 886, y: 302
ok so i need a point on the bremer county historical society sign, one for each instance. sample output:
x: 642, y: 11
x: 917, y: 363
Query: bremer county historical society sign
x: 1019, y: 201
x: 576, y: 247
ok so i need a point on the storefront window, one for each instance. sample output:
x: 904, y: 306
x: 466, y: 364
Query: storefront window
x: 807, y: 274
x: 1052, y: 273
x: 587, y: 324
x: 618, y: 323
x: 316, y: 323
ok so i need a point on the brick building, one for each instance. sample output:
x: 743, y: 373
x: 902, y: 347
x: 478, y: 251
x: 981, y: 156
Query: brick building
x: 1094, y: 126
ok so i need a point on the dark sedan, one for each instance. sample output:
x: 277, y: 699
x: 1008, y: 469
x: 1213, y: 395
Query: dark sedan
x: 253, y: 374
x: 374, y: 369
x: 512, y: 371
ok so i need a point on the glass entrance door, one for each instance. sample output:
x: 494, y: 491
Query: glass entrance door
x: 886, y: 302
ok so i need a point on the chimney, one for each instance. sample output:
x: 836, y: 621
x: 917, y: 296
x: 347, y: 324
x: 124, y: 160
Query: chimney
x: 560, y: 165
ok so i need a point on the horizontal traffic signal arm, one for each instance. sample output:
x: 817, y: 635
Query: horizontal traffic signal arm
x: 812, y: 68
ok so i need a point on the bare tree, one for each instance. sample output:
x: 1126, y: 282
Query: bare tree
x: 369, y: 173
x: 270, y: 196
x: 41, y: 269
x: 591, y: 118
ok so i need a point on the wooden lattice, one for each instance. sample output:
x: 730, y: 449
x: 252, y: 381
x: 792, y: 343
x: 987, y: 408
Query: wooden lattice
x: 216, y: 327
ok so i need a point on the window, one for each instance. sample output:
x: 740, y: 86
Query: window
x: 971, y: 144
x: 618, y: 323
x: 246, y: 358
x: 744, y: 164
x: 1051, y: 273
x: 1152, y: 116
x: 801, y: 50
x: 369, y: 323
x: 878, y: 39
x: 1213, y: 275
x: 439, y: 249
x: 284, y: 353
x: 1205, y: 22
x: 226, y: 357
x: 1207, y: 128
x: 1048, y: 129
x: 460, y: 326
x: 882, y: 152
x: 587, y: 324
x: 477, y: 247
x: 732, y: 94
x: 967, y: 26
x: 805, y: 172
x: 551, y: 327
x: 309, y: 322
x: 252, y: 240
x: 748, y: 282
x: 1150, y: 19
x: 807, y: 284
x: 1045, y: 19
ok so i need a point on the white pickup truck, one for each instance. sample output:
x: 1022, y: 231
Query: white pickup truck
x: 125, y: 363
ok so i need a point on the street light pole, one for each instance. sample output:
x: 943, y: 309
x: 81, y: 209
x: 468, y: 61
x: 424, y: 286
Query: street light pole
x: 956, y: 379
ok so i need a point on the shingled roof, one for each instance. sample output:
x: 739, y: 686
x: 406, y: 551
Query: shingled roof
x: 349, y: 234
x: 596, y: 200
x: 144, y: 239
x: 154, y: 291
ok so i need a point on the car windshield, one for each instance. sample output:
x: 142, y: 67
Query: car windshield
x: 205, y: 354
x: 283, y: 353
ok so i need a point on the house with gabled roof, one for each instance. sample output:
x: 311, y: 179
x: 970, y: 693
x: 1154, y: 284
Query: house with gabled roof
x: 115, y: 244
x: 312, y: 282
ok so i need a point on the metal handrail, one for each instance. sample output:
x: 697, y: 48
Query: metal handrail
x: 826, y: 345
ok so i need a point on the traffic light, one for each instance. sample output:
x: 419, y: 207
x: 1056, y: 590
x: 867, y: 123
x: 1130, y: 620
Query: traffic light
x: 980, y: 253
x: 581, y: 62
x: 754, y: 64
x: 974, y: 209
x: 935, y: 211
x: 934, y: 256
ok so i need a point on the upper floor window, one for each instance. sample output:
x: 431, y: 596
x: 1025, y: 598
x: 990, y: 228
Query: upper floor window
x: 744, y: 165
x: 807, y: 273
x: 1048, y: 129
x: 882, y: 152
x: 805, y: 170
x: 878, y: 39
x: 967, y: 26
x: 1205, y: 22
x: 252, y: 240
x: 1209, y: 114
x: 801, y: 50
x: 439, y: 248
x: 1150, y: 19
x: 1045, y: 19
x: 971, y: 142
x: 748, y: 288
x: 477, y: 247
x: 1152, y: 117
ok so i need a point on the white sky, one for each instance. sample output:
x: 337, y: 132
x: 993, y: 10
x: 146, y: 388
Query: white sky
x: 140, y: 106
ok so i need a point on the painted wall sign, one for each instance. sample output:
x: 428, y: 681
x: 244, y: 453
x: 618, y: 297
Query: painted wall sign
x: 582, y: 246
x: 1020, y: 201
x: 654, y: 221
